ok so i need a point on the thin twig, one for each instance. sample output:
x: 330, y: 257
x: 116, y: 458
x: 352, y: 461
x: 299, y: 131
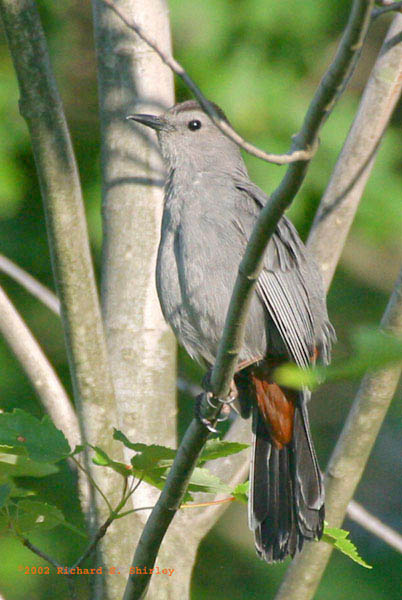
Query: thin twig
x: 92, y: 546
x: 196, y: 435
x: 25, y: 541
x: 207, y: 504
x: 40, y: 372
x: 41, y: 106
x: 93, y: 482
x: 54, y: 563
x: 296, y: 154
x: 356, y: 160
x: 357, y: 513
x: 31, y: 284
x: 103, y: 529
x: 387, y: 7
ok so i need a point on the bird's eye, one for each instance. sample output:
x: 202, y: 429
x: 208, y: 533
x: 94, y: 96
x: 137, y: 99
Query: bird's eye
x: 194, y: 125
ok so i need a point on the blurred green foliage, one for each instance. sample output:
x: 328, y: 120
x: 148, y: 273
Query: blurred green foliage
x: 261, y: 61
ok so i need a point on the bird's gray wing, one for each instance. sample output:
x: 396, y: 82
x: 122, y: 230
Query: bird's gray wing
x: 289, y: 290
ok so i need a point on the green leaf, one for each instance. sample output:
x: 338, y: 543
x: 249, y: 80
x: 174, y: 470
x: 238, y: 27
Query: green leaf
x: 292, y: 376
x: 217, y: 448
x: 241, y: 492
x: 372, y: 349
x: 202, y: 480
x: 338, y: 538
x: 35, y: 515
x: 78, y: 449
x: 40, y: 440
x: 7, y: 483
x: 148, y: 457
x: 152, y: 463
x: 14, y: 465
x: 101, y: 459
x: 5, y: 491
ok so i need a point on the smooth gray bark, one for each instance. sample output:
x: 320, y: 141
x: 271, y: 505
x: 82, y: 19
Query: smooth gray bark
x: 42, y: 109
x: 142, y: 349
x: 356, y: 160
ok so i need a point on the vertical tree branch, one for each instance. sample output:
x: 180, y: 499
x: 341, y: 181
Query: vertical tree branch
x: 348, y: 460
x: 142, y: 349
x: 39, y: 370
x: 41, y: 106
x: 356, y: 160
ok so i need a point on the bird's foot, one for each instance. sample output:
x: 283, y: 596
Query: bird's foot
x: 224, y: 406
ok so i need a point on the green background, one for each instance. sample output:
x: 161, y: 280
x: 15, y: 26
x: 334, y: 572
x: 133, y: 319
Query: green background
x: 261, y: 61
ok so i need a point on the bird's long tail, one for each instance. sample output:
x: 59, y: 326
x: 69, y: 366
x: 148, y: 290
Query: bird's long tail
x: 286, y: 504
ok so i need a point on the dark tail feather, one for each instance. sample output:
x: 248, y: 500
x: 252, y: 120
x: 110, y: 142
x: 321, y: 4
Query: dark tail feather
x: 286, y: 504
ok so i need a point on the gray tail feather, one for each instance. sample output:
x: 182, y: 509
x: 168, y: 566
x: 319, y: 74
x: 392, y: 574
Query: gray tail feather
x: 286, y: 504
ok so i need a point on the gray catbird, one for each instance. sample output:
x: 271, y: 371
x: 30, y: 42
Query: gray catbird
x: 210, y: 209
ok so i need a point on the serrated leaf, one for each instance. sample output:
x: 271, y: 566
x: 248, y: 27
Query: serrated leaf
x: 149, y: 456
x: 202, y: 480
x: 31, y: 515
x: 152, y: 462
x: 41, y: 440
x: 338, y: 538
x: 34, y: 514
x: 78, y: 449
x: 217, y: 448
x: 101, y: 459
x: 157, y: 478
x: 241, y: 492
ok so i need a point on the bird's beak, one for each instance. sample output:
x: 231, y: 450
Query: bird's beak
x: 150, y: 121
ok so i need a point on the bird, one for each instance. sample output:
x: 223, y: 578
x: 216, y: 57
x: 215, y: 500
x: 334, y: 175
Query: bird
x: 210, y: 209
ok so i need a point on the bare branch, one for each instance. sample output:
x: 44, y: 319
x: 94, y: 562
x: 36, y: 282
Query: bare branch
x: 31, y: 284
x: 54, y: 563
x: 356, y: 160
x: 363, y: 517
x: 141, y: 346
x: 41, y: 106
x: 303, y: 153
x: 39, y: 552
x: 196, y: 435
x: 386, y: 7
x: 39, y: 370
x: 348, y: 460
